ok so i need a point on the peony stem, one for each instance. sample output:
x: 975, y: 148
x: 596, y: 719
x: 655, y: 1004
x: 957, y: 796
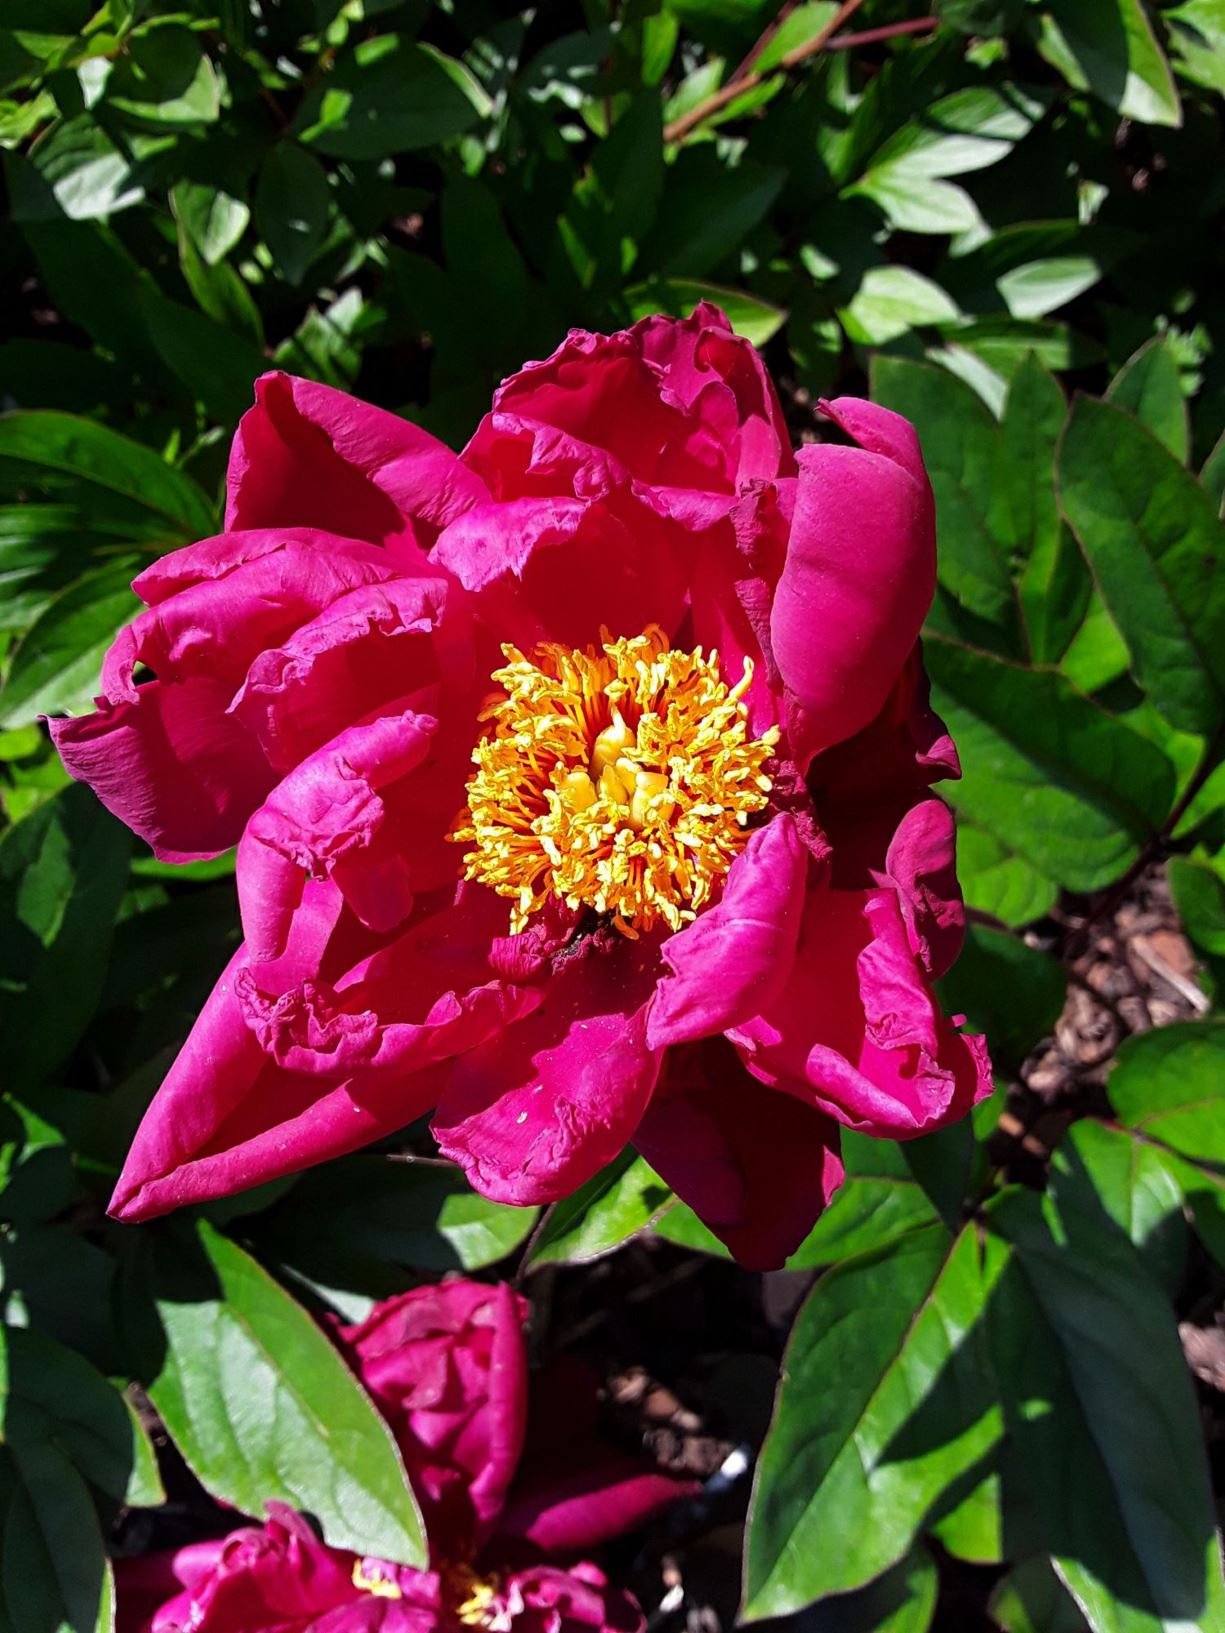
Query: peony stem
x: 680, y: 128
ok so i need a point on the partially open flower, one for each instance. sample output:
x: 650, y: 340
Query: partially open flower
x: 447, y: 1365
x: 581, y: 785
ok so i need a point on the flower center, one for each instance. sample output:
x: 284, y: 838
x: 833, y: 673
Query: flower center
x: 619, y: 779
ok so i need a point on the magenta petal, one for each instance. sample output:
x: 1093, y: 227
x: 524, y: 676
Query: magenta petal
x: 215, y: 605
x: 447, y: 1368
x: 735, y: 958
x: 378, y: 645
x: 858, y: 1029
x: 755, y: 1164
x: 593, y: 1505
x: 323, y: 819
x: 546, y: 1600
x: 534, y: 1114
x: 857, y: 583
x: 922, y: 863
x: 172, y: 765
x: 308, y: 454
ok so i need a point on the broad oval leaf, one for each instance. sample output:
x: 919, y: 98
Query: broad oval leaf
x: 260, y: 1403
x: 1104, y: 1458
x: 603, y: 1214
x: 883, y: 1407
x: 1155, y: 544
x: 67, y: 449
x: 1060, y: 782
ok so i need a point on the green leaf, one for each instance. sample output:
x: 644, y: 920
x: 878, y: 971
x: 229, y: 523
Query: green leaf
x: 1097, y: 653
x: 1154, y: 542
x: 390, y: 96
x: 163, y: 78
x: 1169, y: 1085
x: 54, y: 1573
x: 1104, y: 1455
x: 292, y: 208
x: 63, y: 1425
x: 962, y: 132
x: 1199, y: 895
x: 867, y: 1213
x: 217, y: 366
x: 61, y: 447
x: 1059, y: 782
x: 74, y: 170
x: 883, y: 1408
x: 1150, y: 387
x: 1109, y: 47
x: 1012, y: 992
x: 1197, y: 35
x: 54, y: 669
x: 1135, y: 1186
x: 998, y: 882
x: 603, y: 1214
x: 63, y: 870
x: 891, y: 300
x: 706, y: 212
x: 342, y: 1223
x: 757, y: 320
x: 260, y: 1403
x: 1037, y: 288
x: 1032, y: 1599
x: 903, y: 1600
x: 213, y: 219
x: 144, y: 1488
x: 48, y: 1391
x: 961, y: 447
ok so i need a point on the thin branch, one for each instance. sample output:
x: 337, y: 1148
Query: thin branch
x: 888, y: 31
x: 680, y: 128
x: 762, y: 41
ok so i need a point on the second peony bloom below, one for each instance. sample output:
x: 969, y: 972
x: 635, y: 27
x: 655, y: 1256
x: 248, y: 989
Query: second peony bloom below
x: 512, y: 1498
x: 581, y: 784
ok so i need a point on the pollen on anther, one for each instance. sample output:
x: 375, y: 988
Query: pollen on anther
x: 622, y: 778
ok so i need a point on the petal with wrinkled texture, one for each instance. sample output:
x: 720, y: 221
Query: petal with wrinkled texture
x: 735, y: 958
x: 307, y: 454
x: 172, y: 765
x: 857, y: 1029
x: 533, y: 1115
x: 326, y: 818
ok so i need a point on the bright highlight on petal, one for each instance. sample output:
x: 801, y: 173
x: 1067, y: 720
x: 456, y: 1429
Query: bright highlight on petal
x: 620, y: 779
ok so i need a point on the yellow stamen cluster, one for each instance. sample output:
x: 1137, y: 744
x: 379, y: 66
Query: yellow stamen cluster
x: 470, y: 1596
x: 372, y: 1576
x: 619, y: 779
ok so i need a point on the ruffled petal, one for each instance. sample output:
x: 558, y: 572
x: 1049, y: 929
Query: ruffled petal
x: 755, y: 1164
x: 326, y: 819
x: 447, y: 1368
x: 546, y: 1600
x: 857, y: 1030
x: 562, y: 569
x: 534, y: 1114
x: 283, y: 1070
x: 307, y: 454
x: 921, y: 863
x: 382, y: 644
x: 215, y: 605
x: 734, y: 960
x: 859, y: 576
x: 172, y: 765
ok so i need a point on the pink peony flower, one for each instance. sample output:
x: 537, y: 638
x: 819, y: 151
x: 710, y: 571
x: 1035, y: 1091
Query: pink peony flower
x: 580, y: 782
x: 447, y: 1365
